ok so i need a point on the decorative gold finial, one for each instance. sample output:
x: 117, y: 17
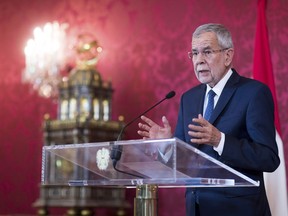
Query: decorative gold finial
x: 46, y: 116
x: 88, y: 51
x: 121, y: 118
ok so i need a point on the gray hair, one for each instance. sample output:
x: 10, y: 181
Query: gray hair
x: 223, y: 34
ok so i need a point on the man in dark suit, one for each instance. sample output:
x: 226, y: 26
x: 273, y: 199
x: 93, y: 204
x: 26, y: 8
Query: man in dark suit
x: 238, y: 131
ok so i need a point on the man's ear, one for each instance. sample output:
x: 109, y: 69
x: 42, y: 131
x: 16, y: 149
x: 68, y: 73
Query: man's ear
x: 229, y: 56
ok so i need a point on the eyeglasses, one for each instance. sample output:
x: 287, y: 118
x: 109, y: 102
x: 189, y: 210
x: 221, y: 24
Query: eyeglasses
x: 207, y: 53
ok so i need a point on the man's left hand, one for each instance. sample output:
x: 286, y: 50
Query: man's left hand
x: 202, y: 132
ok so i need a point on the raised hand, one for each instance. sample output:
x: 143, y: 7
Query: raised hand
x: 150, y: 130
x: 204, y: 132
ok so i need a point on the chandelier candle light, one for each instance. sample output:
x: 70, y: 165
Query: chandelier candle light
x: 45, y: 58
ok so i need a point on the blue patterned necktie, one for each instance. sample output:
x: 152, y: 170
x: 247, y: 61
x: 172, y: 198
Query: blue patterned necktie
x: 210, y: 105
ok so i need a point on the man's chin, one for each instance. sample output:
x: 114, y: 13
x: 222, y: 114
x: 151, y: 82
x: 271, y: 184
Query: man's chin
x: 204, y: 80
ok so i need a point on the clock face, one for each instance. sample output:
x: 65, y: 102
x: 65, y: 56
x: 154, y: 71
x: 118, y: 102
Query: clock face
x: 102, y: 158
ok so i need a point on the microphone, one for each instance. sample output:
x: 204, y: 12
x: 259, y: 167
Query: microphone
x: 117, y: 150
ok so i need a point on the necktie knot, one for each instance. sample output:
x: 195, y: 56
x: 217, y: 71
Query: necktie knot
x: 211, y: 94
x: 210, y: 105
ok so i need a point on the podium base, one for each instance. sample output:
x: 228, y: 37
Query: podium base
x: 145, y: 202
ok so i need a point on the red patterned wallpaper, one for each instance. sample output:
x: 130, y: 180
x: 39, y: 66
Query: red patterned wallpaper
x: 145, y: 55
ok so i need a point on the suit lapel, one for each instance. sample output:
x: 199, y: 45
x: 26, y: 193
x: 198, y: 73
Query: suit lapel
x: 201, y: 97
x: 225, y: 96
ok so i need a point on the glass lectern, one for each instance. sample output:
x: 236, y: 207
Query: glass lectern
x: 143, y: 164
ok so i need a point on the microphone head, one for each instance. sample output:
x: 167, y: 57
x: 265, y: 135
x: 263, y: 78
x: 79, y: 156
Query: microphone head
x: 170, y: 94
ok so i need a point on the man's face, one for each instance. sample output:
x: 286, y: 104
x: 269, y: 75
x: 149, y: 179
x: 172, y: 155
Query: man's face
x: 211, y: 62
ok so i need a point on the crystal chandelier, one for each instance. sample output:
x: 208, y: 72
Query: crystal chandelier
x: 45, y: 58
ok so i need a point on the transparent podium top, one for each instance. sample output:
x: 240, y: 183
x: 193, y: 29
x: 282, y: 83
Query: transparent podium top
x: 165, y: 162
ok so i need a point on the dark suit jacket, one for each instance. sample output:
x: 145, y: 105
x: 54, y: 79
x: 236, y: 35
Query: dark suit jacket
x: 245, y: 114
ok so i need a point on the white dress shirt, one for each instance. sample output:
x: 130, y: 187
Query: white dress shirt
x: 218, y: 88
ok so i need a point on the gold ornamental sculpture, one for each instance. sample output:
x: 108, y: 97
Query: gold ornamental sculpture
x: 84, y: 101
x: 84, y: 116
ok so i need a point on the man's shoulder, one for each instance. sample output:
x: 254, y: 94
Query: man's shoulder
x: 252, y: 83
x: 246, y: 81
x: 195, y: 89
x: 195, y: 93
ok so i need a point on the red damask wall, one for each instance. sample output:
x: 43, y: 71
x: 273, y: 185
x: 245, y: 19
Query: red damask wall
x: 145, y: 56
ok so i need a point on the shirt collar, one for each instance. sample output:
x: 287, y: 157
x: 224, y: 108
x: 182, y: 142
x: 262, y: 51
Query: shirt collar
x: 218, y: 88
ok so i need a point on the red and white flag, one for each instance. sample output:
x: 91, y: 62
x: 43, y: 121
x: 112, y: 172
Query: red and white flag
x: 263, y: 71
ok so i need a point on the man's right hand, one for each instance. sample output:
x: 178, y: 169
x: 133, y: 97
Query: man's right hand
x: 151, y: 130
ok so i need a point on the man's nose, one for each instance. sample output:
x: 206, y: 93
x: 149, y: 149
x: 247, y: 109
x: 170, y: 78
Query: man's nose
x: 199, y: 59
